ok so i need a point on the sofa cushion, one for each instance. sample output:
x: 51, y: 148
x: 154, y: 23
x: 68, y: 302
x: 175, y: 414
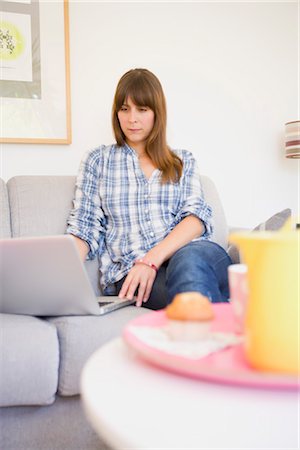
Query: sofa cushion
x: 220, y: 233
x: 5, y: 231
x: 80, y: 336
x: 40, y: 206
x: 29, y: 360
x: 274, y: 223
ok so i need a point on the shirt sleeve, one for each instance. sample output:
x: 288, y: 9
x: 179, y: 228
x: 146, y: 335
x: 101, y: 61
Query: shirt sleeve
x: 192, y: 198
x: 86, y: 219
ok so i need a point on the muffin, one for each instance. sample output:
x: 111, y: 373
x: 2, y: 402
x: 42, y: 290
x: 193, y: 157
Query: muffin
x: 189, y: 316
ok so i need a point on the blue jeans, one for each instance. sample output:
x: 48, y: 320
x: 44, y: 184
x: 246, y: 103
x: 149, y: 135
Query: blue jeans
x: 199, y: 266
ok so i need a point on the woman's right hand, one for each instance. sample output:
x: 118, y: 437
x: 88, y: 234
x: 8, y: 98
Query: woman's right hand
x: 82, y: 247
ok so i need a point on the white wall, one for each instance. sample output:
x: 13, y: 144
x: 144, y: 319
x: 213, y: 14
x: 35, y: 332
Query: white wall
x: 229, y: 71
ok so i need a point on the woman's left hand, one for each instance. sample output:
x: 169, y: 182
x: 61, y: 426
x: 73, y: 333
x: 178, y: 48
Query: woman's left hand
x: 140, y: 277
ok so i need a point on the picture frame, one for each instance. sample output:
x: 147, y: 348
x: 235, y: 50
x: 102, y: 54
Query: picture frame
x: 35, y: 99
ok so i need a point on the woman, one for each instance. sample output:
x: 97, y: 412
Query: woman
x: 139, y: 206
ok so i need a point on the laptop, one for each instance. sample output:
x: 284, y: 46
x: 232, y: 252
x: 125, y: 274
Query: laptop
x: 44, y: 276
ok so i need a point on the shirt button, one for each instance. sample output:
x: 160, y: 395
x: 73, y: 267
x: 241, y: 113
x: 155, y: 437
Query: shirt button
x: 146, y: 211
x: 151, y: 234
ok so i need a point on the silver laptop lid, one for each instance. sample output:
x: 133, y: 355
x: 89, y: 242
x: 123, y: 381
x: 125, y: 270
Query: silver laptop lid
x: 44, y: 276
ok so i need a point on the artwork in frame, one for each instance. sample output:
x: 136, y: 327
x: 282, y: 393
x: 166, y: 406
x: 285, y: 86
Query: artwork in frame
x: 34, y: 72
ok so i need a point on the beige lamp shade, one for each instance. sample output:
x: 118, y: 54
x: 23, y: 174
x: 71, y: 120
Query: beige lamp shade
x: 292, y: 139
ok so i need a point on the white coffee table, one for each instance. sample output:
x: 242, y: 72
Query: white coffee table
x: 134, y: 405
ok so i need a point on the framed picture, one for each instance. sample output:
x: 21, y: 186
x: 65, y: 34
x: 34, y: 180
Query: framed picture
x: 34, y: 72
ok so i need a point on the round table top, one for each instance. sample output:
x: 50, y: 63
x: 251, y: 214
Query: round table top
x: 135, y: 405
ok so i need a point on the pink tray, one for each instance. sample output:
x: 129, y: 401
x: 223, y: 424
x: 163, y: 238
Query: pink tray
x: 227, y: 366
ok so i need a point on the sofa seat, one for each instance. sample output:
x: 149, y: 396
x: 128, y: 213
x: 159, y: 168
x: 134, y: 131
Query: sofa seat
x: 29, y: 360
x: 80, y: 336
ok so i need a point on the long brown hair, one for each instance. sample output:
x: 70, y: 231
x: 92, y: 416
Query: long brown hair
x: 144, y: 89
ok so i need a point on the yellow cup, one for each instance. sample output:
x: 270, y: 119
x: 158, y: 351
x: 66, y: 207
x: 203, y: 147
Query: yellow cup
x: 272, y: 316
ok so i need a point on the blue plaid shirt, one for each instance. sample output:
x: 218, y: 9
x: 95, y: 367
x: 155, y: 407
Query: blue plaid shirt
x: 121, y: 214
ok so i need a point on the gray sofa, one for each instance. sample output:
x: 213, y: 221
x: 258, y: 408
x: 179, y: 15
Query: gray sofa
x: 42, y: 358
